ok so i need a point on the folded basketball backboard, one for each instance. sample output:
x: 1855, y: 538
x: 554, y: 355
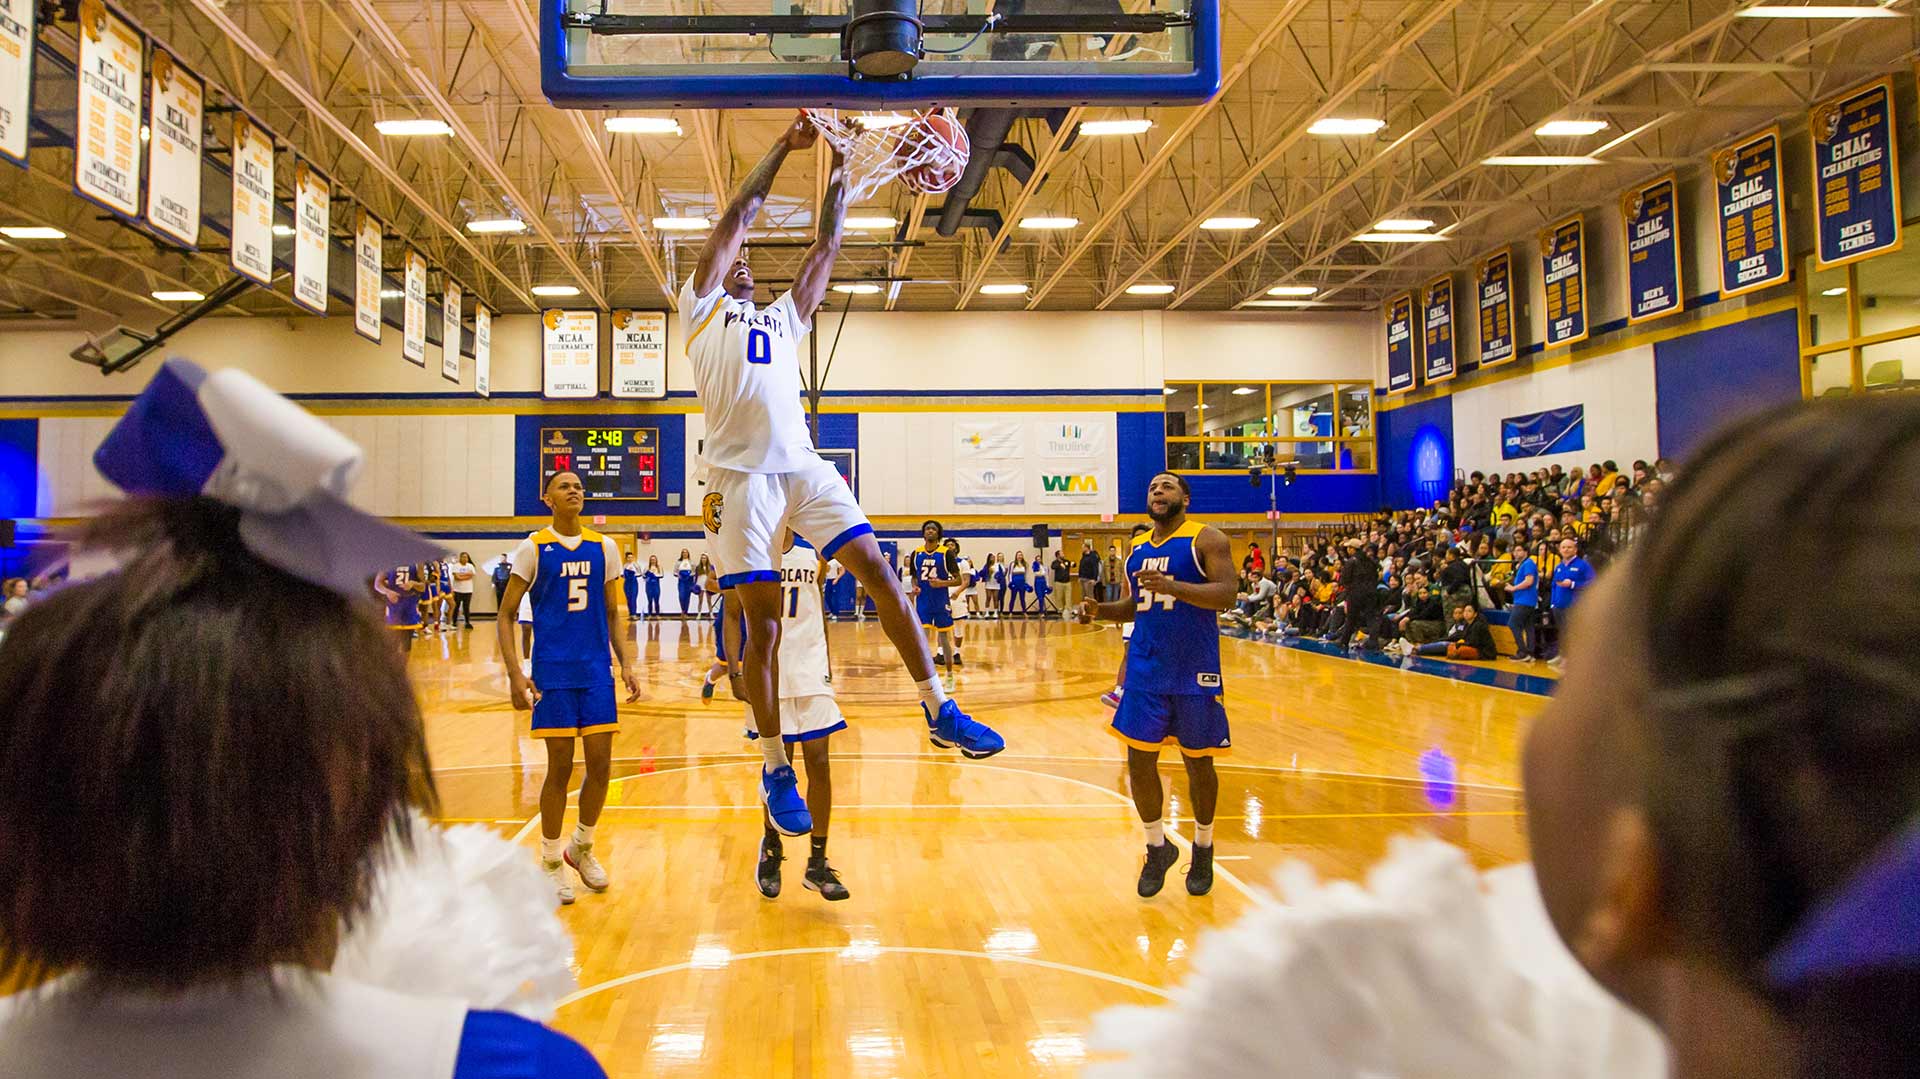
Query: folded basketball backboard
x: 876, y: 54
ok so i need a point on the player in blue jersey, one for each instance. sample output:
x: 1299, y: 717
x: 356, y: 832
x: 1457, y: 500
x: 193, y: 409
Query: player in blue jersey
x: 934, y: 574
x: 572, y: 575
x: 1182, y: 576
x: 401, y: 588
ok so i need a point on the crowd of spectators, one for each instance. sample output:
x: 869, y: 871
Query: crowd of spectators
x: 1421, y: 581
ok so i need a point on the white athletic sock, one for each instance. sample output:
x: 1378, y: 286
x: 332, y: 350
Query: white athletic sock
x: 583, y: 835
x: 774, y: 751
x: 1203, y: 835
x: 932, y: 694
x: 550, y: 849
x: 1156, y: 832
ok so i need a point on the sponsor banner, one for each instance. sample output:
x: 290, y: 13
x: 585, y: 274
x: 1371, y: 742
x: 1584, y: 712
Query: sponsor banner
x: 570, y: 353
x: 251, y: 253
x: 173, y: 150
x: 1753, y: 242
x: 1436, y: 315
x: 1064, y: 485
x: 1070, y: 440
x: 639, y: 349
x: 16, y: 76
x: 312, y: 218
x: 1650, y: 215
x: 1400, y: 347
x: 1537, y: 434
x: 106, y: 143
x: 1856, y: 175
x: 366, y: 275
x: 996, y: 483
x: 450, y: 301
x: 1493, y: 277
x: 413, y: 320
x: 989, y: 441
x: 1563, y: 272
x: 482, y: 351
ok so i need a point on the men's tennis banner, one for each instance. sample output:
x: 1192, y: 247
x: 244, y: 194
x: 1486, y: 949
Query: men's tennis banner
x: 1856, y: 175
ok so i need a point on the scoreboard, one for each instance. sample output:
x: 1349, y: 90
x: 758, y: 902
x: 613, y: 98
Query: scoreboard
x: 613, y: 462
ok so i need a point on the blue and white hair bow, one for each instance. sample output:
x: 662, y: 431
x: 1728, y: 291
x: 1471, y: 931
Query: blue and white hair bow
x: 228, y: 437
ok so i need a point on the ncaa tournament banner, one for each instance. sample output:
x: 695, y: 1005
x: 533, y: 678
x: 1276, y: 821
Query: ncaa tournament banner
x: 312, y: 211
x: 1746, y: 183
x: 450, y: 301
x: 1856, y: 175
x: 251, y: 254
x: 106, y: 142
x: 173, y: 150
x: 1651, y: 216
x: 1560, y: 430
x: 1400, y: 373
x: 1563, y: 273
x: 413, y: 316
x: 482, y: 350
x: 570, y: 353
x: 366, y: 274
x: 16, y: 76
x: 640, y: 354
x: 1436, y: 304
x: 993, y: 483
x: 1493, y: 277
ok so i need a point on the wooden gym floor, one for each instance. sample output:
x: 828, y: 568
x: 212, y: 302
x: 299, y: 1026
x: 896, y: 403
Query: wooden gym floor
x: 993, y: 910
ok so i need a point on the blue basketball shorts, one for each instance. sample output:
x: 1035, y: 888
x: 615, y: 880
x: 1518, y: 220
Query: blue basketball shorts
x: 936, y: 611
x: 1195, y: 722
x: 572, y: 713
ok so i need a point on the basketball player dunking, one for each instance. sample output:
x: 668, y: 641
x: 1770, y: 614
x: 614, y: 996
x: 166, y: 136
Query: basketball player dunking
x: 763, y: 475
x: 572, y: 575
x: 1182, y: 574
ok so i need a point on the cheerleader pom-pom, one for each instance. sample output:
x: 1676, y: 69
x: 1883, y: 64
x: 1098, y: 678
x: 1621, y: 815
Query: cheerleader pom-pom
x: 463, y: 914
x: 1428, y: 971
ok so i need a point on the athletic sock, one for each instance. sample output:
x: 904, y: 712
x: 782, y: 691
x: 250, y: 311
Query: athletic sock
x: 1203, y: 835
x: 550, y: 849
x: 819, y: 847
x: 932, y: 694
x: 583, y: 835
x: 1156, y: 832
x: 774, y: 752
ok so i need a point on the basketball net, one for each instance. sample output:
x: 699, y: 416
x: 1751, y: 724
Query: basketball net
x: 886, y: 146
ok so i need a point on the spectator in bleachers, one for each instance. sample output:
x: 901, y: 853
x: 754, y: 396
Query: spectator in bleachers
x: 1467, y: 639
x: 16, y: 597
x: 1524, y: 613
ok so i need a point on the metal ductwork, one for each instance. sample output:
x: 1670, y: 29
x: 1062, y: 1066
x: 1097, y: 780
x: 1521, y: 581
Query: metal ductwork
x: 987, y: 129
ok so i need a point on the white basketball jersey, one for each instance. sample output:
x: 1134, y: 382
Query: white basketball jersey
x: 746, y: 369
x: 804, y: 669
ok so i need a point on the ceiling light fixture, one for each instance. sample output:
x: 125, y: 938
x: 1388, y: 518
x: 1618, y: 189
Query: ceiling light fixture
x: 1541, y: 160
x: 1292, y: 290
x: 1149, y: 290
x: 1007, y: 289
x: 1570, y: 128
x: 1399, y: 238
x: 179, y: 295
x: 283, y: 230
x: 1049, y: 222
x: 681, y: 224
x: 1350, y: 126
x: 643, y: 125
x: 1115, y: 127
x: 554, y: 290
x: 1281, y: 303
x: 860, y: 289
x: 1229, y: 224
x: 484, y: 225
x: 881, y: 120
x: 1242, y: 391
x: 1817, y: 11
x: 870, y: 224
x: 1403, y: 224
x: 392, y: 293
x: 412, y: 127
x: 1841, y: 291
x: 31, y: 232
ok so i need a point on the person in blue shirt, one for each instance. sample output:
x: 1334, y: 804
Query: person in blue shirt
x: 1525, y: 611
x: 653, y: 576
x: 502, y: 570
x: 630, y: 583
x: 1570, y: 578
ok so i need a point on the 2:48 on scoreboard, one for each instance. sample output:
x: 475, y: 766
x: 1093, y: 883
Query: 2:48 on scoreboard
x: 612, y: 462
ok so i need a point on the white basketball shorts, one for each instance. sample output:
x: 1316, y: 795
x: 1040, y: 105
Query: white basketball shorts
x: 803, y: 719
x: 745, y: 513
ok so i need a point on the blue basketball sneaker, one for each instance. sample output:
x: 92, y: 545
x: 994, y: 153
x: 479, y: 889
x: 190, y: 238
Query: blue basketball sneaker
x: 953, y: 727
x: 780, y: 793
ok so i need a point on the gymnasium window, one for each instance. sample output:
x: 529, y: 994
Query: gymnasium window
x: 1232, y: 426
x: 1860, y: 324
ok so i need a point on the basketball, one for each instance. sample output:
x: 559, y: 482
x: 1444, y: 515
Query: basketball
x: 943, y: 142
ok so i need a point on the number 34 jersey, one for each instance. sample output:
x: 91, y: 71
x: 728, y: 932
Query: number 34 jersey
x: 567, y: 586
x: 746, y: 370
x: 1176, y: 646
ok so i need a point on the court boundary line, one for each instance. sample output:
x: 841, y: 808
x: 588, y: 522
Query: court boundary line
x: 879, y: 949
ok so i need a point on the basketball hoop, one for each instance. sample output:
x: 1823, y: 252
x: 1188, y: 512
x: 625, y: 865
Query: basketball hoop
x: 926, y: 151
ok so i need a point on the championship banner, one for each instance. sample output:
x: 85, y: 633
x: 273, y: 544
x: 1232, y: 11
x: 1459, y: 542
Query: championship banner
x: 106, y: 143
x: 999, y: 483
x: 1563, y: 271
x: 450, y: 301
x: 570, y: 353
x: 1002, y: 441
x: 16, y: 76
x: 1493, y: 276
x: 1400, y: 374
x: 1651, y: 216
x: 1436, y: 307
x: 1537, y: 434
x: 640, y: 354
x: 173, y: 150
x: 1856, y: 175
x: 482, y: 351
x: 1753, y: 247
x: 312, y: 217
x: 252, y: 252
x: 413, y: 311
x: 366, y: 275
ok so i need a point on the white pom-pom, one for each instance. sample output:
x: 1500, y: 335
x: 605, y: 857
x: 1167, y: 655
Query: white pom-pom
x: 1428, y: 971
x: 465, y: 914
